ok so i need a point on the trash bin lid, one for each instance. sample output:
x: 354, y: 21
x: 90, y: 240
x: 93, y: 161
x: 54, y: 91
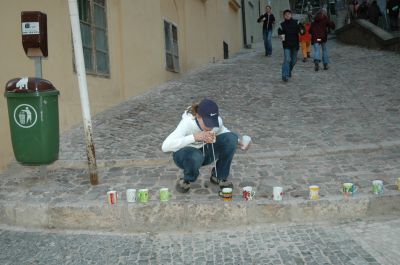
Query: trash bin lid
x: 29, y: 84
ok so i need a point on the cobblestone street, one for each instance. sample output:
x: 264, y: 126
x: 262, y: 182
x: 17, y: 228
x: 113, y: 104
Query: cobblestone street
x: 355, y: 103
x: 362, y: 242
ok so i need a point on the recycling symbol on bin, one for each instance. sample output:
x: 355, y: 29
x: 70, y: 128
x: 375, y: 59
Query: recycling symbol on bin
x: 25, y: 116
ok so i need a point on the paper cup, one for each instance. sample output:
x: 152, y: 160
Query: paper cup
x: 377, y: 186
x: 314, y: 192
x: 143, y: 195
x: 282, y: 37
x: 131, y: 195
x: 246, y: 140
x: 112, y: 197
x: 248, y: 193
x: 164, y: 194
x: 226, y: 194
x: 349, y: 189
x: 277, y: 194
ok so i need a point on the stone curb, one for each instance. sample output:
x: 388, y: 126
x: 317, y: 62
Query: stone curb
x: 187, y: 216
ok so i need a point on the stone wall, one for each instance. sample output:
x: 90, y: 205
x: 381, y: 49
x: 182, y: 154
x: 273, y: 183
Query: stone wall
x: 363, y: 33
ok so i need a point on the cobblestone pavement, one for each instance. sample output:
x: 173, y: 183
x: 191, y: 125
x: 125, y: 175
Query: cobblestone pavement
x: 361, y: 242
x: 324, y: 128
x: 355, y: 102
x: 295, y: 174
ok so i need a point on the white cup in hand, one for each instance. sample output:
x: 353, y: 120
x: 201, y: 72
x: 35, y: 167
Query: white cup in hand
x: 214, y: 137
x: 282, y: 37
x: 245, y: 142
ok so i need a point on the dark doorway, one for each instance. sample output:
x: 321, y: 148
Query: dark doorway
x: 226, y: 50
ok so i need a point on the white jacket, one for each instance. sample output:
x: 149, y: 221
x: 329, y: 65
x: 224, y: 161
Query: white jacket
x: 184, y: 133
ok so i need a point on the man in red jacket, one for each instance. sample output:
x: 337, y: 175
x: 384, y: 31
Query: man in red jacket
x: 319, y: 37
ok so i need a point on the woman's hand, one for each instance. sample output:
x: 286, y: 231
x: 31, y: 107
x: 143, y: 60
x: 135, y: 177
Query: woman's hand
x: 208, y: 137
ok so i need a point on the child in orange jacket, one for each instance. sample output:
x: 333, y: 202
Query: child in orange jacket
x: 305, y: 41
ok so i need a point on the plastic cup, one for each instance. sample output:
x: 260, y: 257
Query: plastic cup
x: 277, y: 193
x: 377, y: 186
x: 314, y: 192
x: 226, y: 194
x: 248, y: 193
x: 143, y: 195
x: 164, y: 194
x: 131, y: 195
x: 246, y: 140
x: 112, y: 197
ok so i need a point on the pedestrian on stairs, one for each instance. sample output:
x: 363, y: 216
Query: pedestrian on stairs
x: 289, y: 31
x: 268, y: 20
x: 319, y: 37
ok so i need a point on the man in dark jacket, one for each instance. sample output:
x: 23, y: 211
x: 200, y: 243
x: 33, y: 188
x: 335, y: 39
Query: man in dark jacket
x: 393, y: 9
x: 363, y: 10
x: 319, y: 37
x: 289, y: 33
x: 374, y: 13
x: 268, y: 20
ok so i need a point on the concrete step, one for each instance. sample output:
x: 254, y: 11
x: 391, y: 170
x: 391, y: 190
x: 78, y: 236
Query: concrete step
x: 192, y: 215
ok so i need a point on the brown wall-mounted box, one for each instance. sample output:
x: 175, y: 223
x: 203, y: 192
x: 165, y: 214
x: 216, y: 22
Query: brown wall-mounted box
x: 34, y: 33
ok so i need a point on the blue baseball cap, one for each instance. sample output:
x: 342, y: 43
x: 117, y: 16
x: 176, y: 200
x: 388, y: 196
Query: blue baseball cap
x: 208, y: 110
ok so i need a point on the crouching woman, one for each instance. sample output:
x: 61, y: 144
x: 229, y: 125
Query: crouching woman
x: 201, y: 139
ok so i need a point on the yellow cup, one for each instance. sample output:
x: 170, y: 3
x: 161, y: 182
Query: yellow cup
x: 314, y: 192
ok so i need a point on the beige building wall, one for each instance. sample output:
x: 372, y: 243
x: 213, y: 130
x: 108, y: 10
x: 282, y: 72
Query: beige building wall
x: 253, y: 28
x: 136, y: 50
x: 232, y: 31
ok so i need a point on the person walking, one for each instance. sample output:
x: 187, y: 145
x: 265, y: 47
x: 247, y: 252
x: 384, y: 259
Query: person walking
x: 308, y: 10
x: 289, y: 33
x: 363, y: 10
x: 353, y: 7
x: 319, y: 37
x: 268, y: 20
x: 374, y: 13
x: 393, y: 9
x: 305, y: 40
x: 201, y: 139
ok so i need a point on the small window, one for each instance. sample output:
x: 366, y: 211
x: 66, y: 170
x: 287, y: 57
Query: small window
x: 93, y: 21
x: 171, y: 47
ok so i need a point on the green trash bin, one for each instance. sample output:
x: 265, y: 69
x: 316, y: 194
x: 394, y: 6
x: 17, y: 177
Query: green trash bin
x: 33, y: 116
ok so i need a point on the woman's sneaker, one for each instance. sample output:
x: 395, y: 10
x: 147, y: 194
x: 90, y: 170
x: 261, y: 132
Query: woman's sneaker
x: 182, y: 186
x: 222, y: 183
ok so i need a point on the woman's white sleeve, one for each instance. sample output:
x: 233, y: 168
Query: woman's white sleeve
x: 178, y: 139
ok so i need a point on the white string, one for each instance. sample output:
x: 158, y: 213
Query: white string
x: 215, y: 164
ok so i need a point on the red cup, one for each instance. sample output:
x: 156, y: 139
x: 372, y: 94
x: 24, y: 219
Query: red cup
x: 112, y: 197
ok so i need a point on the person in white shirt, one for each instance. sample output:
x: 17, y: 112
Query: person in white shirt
x: 201, y: 139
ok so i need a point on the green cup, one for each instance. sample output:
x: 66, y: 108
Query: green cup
x: 349, y: 189
x: 377, y: 186
x: 164, y: 194
x: 143, y: 195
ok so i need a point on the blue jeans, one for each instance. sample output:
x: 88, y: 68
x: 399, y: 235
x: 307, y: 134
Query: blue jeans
x: 317, y: 52
x: 289, y: 60
x: 190, y: 159
x: 267, y: 36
